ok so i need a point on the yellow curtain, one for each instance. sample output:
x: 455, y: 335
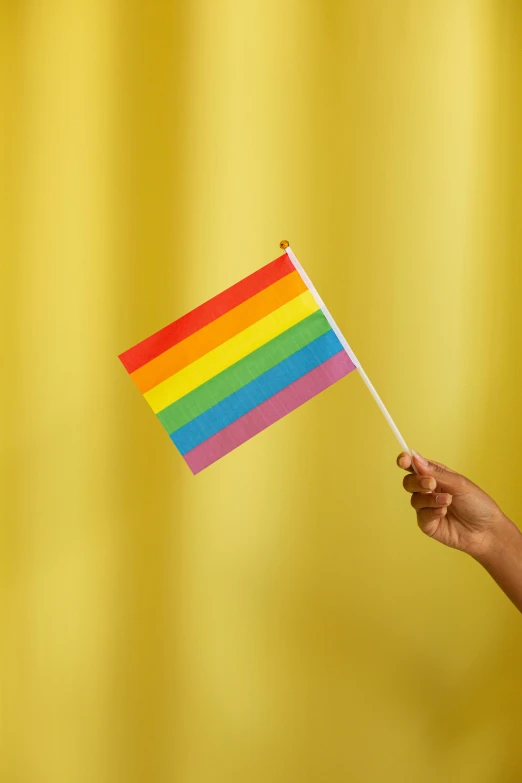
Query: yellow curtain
x: 279, y: 617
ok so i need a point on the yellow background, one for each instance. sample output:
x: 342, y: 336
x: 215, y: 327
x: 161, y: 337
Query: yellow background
x: 279, y: 617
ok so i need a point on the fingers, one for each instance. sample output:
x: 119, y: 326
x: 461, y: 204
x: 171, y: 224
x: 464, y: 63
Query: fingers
x: 422, y: 500
x: 415, y: 483
x: 404, y: 461
x: 435, y: 468
x: 447, y: 480
x: 428, y: 519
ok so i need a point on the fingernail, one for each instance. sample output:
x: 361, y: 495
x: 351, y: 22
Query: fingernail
x: 428, y: 483
x: 442, y: 500
x: 439, y: 511
x: 419, y: 458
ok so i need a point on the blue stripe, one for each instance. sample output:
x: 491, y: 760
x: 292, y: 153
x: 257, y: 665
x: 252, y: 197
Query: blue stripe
x: 257, y: 391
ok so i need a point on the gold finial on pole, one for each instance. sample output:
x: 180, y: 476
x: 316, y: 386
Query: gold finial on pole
x: 284, y: 244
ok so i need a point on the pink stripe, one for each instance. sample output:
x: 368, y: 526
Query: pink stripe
x: 269, y: 412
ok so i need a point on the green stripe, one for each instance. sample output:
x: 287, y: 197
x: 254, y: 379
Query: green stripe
x: 239, y: 374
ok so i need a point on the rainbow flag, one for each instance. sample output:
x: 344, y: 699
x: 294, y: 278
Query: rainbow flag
x: 240, y: 362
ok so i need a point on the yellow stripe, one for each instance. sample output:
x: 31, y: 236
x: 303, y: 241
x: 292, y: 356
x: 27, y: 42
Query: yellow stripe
x: 230, y: 352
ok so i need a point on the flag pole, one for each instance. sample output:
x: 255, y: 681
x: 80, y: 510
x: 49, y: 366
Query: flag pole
x: 285, y: 245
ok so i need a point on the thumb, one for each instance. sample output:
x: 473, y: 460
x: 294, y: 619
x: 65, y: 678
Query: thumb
x: 447, y: 479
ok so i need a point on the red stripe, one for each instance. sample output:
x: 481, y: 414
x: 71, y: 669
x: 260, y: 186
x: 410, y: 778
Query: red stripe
x: 177, y: 331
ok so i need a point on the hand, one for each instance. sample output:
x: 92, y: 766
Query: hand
x: 450, y: 508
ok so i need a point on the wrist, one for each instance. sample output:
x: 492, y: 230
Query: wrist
x: 501, y: 538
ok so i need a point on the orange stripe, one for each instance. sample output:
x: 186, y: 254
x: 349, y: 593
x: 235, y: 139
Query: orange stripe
x: 217, y: 332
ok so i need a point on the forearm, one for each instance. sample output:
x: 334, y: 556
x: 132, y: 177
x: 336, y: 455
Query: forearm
x: 502, y: 558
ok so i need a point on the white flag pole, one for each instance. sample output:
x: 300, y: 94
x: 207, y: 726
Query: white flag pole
x: 286, y: 247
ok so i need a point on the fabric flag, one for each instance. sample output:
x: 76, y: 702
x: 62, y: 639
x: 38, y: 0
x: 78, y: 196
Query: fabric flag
x: 238, y: 363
